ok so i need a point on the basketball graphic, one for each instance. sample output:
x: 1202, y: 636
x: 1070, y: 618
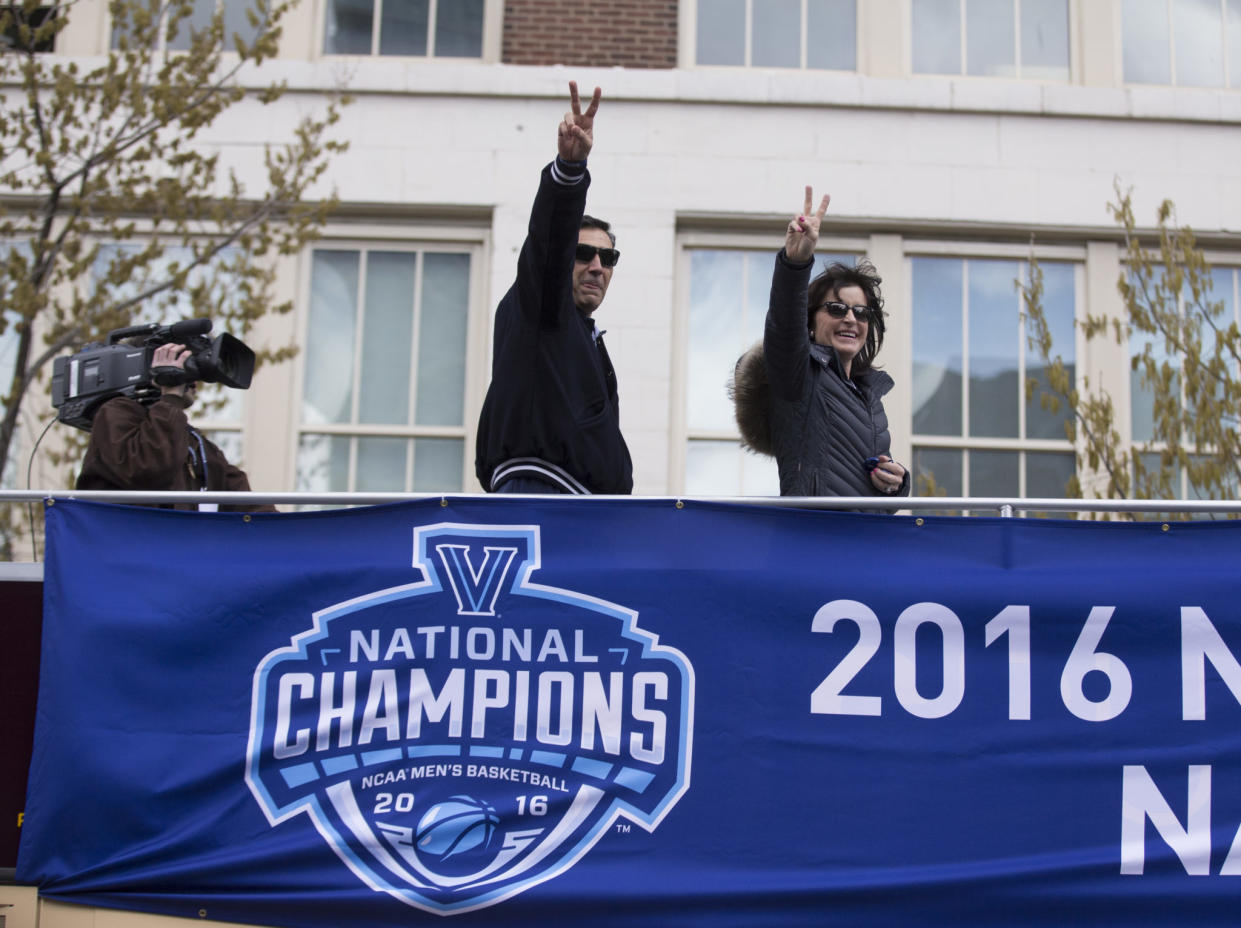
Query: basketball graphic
x: 455, y: 826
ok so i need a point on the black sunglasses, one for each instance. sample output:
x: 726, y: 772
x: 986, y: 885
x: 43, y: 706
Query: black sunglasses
x: 840, y: 310
x: 607, y: 256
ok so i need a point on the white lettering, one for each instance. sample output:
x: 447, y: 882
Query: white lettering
x: 602, y: 711
x: 483, y: 700
x: 1201, y: 642
x: 1141, y: 799
x: 305, y: 684
x: 382, y: 708
x: 654, y: 752
x: 562, y: 682
x: 422, y: 700
x: 341, y: 713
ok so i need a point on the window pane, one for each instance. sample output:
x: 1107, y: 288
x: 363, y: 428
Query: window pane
x: 1172, y: 487
x: 403, y: 28
x: 8, y: 351
x: 721, y: 32
x: 1234, y: 44
x: 716, y: 320
x: 1045, y: 40
x: 459, y: 29
x: 381, y: 465
x: 831, y: 34
x: 937, y: 346
x: 441, y: 339
x: 990, y: 32
x: 1141, y: 399
x: 1220, y: 302
x: 198, y: 20
x: 8, y: 355
x: 1199, y: 45
x: 937, y: 36
x: 1227, y: 486
x: 1059, y: 309
x: 349, y: 26
x: 237, y: 21
x: 1141, y: 395
x: 712, y: 468
x: 759, y: 475
x: 1145, y: 38
x: 723, y: 468
x: 323, y: 463
x: 438, y: 463
x: 328, y: 393
x: 995, y: 386
x: 994, y: 473
x: 18, y: 15
x: 941, y: 467
x: 1048, y: 475
x: 1223, y: 291
x: 387, y: 339
x: 219, y: 404
x: 230, y: 443
x: 777, y: 34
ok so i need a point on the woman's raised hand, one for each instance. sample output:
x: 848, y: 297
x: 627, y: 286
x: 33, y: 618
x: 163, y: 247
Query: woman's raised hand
x: 803, y: 229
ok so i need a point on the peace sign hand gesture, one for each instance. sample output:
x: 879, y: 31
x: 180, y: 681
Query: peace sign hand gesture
x: 576, y: 134
x: 803, y: 230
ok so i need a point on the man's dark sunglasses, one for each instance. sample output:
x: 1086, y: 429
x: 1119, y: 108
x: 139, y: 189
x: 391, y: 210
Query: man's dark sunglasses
x: 607, y: 256
x: 840, y: 310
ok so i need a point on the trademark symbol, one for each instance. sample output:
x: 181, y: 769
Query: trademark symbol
x: 622, y: 828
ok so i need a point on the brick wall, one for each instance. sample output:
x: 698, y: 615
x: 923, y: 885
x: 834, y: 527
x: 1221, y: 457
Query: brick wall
x: 625, y: 33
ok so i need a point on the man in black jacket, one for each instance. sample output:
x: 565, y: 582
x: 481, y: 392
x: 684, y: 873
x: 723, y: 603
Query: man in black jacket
x: 551, y: 419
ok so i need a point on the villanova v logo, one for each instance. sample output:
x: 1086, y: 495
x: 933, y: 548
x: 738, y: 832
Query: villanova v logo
x: 464, y: 737
x: 474, y: 588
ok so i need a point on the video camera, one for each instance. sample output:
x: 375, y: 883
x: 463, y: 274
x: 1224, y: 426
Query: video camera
x: 85, y: 381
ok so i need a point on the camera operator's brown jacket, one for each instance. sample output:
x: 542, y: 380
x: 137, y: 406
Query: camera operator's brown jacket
x: 138, y: 447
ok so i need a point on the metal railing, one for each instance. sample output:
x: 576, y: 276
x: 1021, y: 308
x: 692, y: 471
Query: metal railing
x: 1005, y: 507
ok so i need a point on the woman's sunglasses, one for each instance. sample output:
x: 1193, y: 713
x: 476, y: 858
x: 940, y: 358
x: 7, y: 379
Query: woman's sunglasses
x: 840, y: 310
x: 607, y: 256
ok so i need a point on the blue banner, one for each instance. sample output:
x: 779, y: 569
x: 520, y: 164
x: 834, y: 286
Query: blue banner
x: 503, y: 712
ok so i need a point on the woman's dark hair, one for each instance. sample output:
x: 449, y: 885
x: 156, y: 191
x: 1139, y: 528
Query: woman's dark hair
x: 863, y: 275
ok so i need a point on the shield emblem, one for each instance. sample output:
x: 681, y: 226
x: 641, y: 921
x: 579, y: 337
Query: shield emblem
x: 461, y: 738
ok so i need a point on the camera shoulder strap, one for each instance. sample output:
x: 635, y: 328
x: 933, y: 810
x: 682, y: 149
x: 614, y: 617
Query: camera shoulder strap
x: 198, y: 457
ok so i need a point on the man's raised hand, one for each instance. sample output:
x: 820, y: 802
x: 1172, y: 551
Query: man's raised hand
x: 576, y: 134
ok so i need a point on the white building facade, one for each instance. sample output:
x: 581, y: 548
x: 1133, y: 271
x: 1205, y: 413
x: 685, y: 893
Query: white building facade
x: 954, y: 137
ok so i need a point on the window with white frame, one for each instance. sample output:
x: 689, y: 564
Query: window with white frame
x: 974, y: 431
x: 1189, y: 43
x: 384, y: 382
x: 424, y: 28
x: 991, y: 38
x: 236, y: 23
x: 1226, y: 291
x: 819, y: 34
x: 728, y: 294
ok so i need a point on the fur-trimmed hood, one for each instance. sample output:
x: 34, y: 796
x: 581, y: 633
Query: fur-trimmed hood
x: 751, y: 396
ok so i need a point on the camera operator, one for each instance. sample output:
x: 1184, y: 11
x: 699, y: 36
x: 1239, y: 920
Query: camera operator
x: 137, y: 446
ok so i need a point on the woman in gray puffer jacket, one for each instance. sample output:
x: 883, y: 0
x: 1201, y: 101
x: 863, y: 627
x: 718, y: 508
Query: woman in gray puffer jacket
x: 824, y: 404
